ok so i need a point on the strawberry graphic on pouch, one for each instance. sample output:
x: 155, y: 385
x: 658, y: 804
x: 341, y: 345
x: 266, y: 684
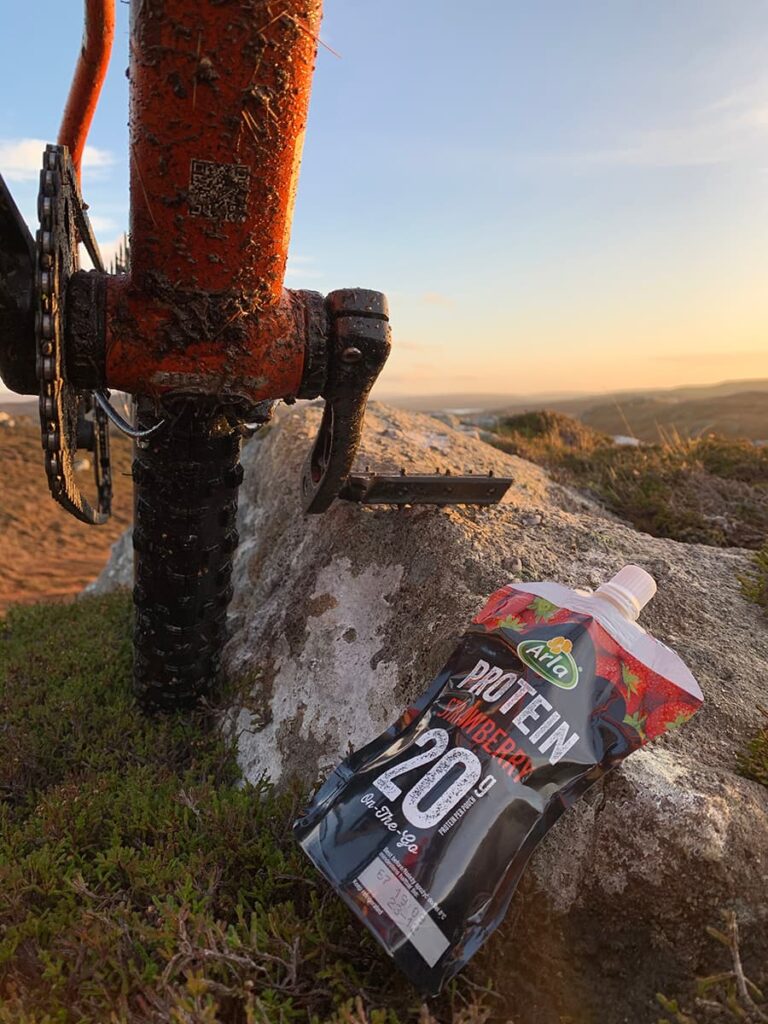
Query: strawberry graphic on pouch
x: 668, y: 717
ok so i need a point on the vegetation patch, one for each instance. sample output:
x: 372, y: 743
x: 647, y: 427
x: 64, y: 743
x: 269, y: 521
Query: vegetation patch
x: 728, y: 996
x: 139, y: 880
x: 710, y: 490
x: 142, y: 882
x: 754, y: 761
x: 755, y: 583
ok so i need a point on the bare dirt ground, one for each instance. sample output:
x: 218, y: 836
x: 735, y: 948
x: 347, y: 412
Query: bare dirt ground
x: 46, y: 554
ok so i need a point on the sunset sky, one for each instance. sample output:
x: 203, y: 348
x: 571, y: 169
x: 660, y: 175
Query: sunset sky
x: 557, y: 195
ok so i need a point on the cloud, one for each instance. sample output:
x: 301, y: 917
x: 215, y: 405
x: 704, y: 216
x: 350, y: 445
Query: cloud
x: 107, y: 249
x: 21, y: 159
x: 713, y: 358
x: 437, y: 299
x: 409, y: 345
x: 95, y: 159
x: 300, y: 267
x: 729, y: 130
x: 102, y: 225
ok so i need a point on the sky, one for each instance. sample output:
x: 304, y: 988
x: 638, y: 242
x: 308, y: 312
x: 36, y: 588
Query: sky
x: 556, y: 195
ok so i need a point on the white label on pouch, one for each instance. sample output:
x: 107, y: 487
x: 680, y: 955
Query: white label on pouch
x: 409, y: 916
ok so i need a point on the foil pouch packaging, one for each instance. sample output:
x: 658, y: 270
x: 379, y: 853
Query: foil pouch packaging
x: 425, y: 831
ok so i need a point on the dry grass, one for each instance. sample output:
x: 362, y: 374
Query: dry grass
x: 712, y: 490
x: 44, y: 552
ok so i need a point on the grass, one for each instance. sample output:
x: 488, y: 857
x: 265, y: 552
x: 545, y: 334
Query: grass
x: 139, y: 881
x: 728, y: 996
x: 753, y: 762
x: 755, y: 584
x: 711, y: 490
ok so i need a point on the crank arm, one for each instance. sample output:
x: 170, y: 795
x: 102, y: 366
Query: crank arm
x: 358, y: 348
x: 437, y: 489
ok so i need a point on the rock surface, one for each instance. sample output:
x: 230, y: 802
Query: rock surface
x: 338, y: 621
x: 118, y: 572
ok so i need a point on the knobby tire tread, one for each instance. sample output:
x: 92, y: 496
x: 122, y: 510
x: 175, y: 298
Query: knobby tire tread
x: 186, y: 478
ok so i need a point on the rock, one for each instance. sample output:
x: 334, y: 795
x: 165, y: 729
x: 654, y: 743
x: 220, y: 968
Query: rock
x: 378, y: 572
x: 535, y: 519
x: 514, y: 566
x: 450, y: 419
x: 339, y: 620
x: 118, y: 572
x: 7, y: 421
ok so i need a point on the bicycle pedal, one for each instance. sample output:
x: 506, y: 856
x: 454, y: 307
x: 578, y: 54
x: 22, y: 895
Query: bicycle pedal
x: 424, y: 489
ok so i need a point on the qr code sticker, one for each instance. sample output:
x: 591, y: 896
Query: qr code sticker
x: 218, y: 191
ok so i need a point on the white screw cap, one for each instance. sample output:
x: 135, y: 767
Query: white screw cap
x: 630, y: 590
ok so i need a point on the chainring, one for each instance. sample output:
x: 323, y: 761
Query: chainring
x: 63, y: 407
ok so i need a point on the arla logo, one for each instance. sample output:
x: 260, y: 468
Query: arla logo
x: 551, y: 659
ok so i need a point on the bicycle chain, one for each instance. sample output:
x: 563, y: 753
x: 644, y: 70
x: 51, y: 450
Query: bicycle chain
x: 63, y: 223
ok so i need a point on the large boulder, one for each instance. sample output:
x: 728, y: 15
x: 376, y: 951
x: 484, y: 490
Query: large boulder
x: 339, y: 620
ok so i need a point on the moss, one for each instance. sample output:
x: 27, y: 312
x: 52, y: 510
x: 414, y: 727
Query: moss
x: 139, y: 880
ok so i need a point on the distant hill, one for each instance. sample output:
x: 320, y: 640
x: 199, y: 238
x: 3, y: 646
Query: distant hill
x: 573, y: 403
x: 20, y: 408
x: 45, y: 553
x: 740, y: 415
x: 462, y: 402
x: 733, y: 409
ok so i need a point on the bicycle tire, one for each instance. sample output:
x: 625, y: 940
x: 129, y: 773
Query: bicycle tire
x: 186, y: 477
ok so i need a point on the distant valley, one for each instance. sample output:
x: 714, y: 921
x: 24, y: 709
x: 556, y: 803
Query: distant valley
x: 731, y: 409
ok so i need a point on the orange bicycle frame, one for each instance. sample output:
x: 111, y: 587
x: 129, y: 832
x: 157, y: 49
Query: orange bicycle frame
x: 218, y: 108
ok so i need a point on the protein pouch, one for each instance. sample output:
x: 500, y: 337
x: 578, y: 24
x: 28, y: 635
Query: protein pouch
x: 425, y: 832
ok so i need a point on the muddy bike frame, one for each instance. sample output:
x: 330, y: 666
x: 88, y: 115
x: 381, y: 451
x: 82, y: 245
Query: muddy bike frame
x: 218, y: 107
x: 219, y: 92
